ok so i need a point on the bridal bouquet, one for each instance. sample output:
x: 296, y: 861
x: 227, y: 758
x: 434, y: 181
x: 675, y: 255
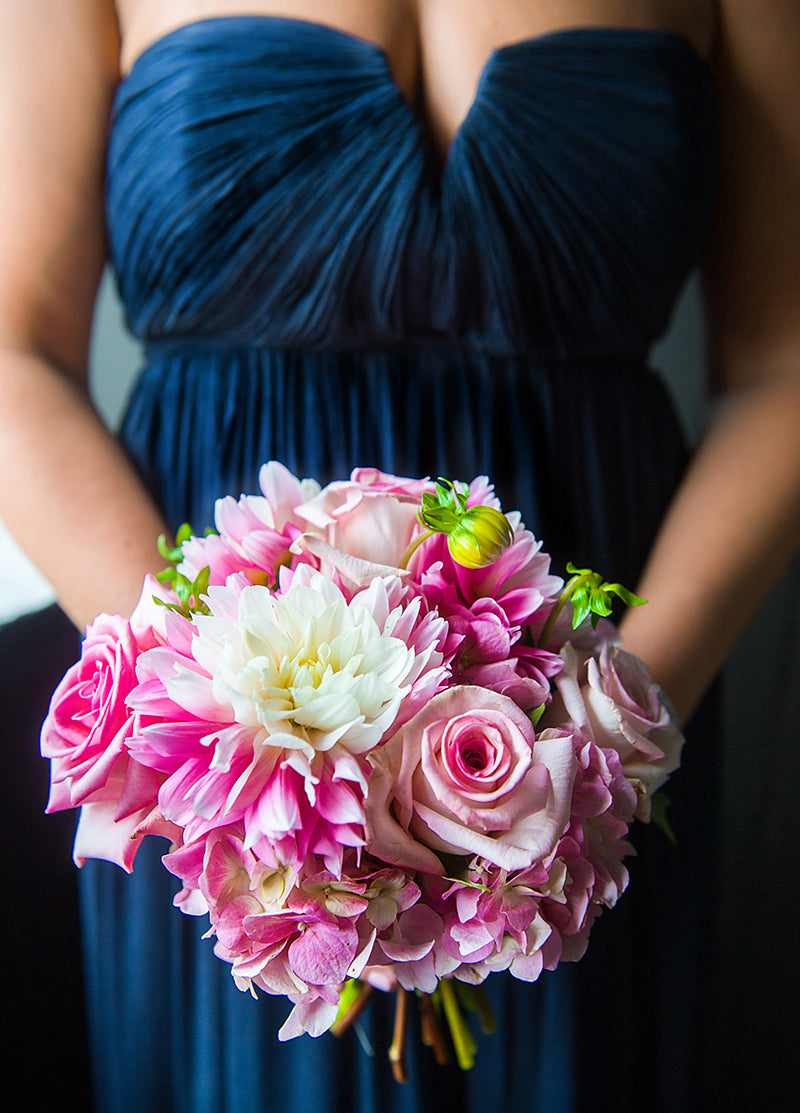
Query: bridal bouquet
x: 387, y: 746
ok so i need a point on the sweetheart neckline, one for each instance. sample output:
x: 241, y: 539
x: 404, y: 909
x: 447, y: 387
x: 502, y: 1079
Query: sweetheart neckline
x: 612, y: 30
x: 621, y: 35
x: 624, y: 31
x: 621, y: 32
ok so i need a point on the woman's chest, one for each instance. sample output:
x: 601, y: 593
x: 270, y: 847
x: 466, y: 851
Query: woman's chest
x: 269, y: 180
x: 436, y: 50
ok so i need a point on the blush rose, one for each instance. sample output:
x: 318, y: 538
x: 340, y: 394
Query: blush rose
x: 468, y: 776
x: 612, y: 698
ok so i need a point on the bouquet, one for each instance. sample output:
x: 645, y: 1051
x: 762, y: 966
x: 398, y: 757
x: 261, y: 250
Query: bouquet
x: 388, y: 747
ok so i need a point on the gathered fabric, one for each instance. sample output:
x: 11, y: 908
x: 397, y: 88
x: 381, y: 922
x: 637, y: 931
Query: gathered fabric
x: 269, y: 185
x: 312, y: 285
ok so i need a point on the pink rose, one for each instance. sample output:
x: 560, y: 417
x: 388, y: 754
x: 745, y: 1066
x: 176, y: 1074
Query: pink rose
x: 468, y: 776
x: 86, y: 735
x: 88, y: 722
x: 372, y: 516
x: 613, y: 699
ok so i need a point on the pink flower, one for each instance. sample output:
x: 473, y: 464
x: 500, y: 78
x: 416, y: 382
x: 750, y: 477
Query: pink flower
x: 593, y: 848
x: 493, y: 908
x: 411, y: 944
x: 86, y: 736
x: 254, y: 533
x: 613, y: 699
x: 372, y: 516
x: 467, y: 776
x: 491, y: 654
x: 263, y: 715
x: 278, y: 936
x: 88, y: 723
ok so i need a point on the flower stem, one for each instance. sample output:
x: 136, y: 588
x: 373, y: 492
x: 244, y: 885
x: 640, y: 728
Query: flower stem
x: 397, y: 1050
x: 474, y: 997
x: 552, y: 618
x: 415, y: 544
x: 463, y: 1040
x: 355, y: 1005
x: 432, y: 1035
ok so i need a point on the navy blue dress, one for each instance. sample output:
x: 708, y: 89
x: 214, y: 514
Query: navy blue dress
x: 312, y: 286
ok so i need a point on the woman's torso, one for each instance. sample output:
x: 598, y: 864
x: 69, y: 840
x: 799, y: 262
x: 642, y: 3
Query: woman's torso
x: 344, y: 243
x: 273, y: 181
x: 274, y: 198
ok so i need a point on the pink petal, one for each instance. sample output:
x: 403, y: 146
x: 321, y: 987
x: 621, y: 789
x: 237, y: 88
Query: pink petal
x: 323, y: 952
x: 312, y: 1018
x: 99, y: 836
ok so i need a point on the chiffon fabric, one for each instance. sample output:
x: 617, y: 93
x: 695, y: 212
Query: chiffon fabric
x: 315, y: 285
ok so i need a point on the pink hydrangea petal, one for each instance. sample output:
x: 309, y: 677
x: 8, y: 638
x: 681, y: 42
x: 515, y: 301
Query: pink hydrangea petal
x: 312, y: 1018
x: 322, y: 953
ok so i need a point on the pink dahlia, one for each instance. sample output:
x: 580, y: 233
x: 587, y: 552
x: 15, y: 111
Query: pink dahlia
x: 254, y: 533
x: 271, y: 708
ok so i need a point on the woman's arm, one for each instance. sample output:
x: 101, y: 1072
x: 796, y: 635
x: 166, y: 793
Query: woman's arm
x: 66, y: 490
x: 735, y: 523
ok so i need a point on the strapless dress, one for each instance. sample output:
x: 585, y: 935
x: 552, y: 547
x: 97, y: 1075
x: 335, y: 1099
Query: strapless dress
x: 313, y: 285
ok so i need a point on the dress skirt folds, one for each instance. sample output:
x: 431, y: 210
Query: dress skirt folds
x: 312, y: 288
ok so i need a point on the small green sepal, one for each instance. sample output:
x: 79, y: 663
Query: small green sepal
x: 536, y: 713
x: 591, y: 595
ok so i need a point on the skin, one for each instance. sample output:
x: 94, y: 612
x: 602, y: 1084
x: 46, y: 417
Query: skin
x: 76, y: 506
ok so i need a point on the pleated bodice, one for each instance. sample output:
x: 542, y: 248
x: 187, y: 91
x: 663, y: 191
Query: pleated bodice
x: 269, y: 185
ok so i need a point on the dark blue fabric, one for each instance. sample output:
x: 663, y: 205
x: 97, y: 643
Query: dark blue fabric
x: 269, y: 185
x: 314, y: 288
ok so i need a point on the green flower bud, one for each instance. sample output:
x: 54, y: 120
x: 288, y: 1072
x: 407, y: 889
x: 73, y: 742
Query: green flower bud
x: 476, y: 535
x: 479, y: 537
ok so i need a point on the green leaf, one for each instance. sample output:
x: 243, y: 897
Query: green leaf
x: 627, y: 597
x: 467, y: 884
x: 591, y: 595
x: 535, y: 715
x: 173, y: 555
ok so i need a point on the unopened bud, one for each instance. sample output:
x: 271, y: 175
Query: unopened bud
x: 480, y: 537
